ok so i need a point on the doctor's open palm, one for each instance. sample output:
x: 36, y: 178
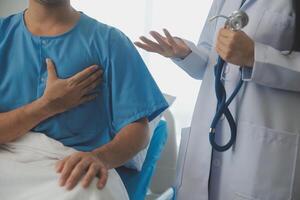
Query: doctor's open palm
x: 167, y: 46
x: 64, y: 94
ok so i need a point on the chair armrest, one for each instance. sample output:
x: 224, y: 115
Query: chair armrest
x: 167, y: 195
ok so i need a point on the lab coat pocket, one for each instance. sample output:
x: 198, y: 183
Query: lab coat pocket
x: 239, y: 196
x: 265, y: 162
x: 275, y: 29
x: 185, y: 136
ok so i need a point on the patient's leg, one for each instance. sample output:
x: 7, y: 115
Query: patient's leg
x: 28, y: 172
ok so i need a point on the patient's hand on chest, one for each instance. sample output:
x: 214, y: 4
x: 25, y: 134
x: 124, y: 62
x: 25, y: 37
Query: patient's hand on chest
x: 64, y: 94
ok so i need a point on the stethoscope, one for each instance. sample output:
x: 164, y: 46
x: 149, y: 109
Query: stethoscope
x: 236, y: 21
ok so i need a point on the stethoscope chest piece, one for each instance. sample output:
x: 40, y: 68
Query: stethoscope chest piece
x: 236, y: 21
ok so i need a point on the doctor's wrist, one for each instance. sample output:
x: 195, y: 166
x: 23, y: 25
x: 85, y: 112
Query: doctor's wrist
x: 251, y: 55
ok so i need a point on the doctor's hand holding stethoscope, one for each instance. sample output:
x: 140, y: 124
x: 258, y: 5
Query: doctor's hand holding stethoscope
x: 261, y: 161
x: 235, y: 47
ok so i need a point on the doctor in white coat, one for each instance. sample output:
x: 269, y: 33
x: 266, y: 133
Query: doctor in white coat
x: 264, y: 163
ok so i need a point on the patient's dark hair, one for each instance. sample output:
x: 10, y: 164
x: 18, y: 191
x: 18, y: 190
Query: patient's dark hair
x: 296, y: 44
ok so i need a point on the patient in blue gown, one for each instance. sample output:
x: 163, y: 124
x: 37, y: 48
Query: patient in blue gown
x: 127, y: 94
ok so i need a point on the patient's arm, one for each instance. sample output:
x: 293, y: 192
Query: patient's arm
x: 60, y: 95
x: 18, y: 122
x: 128, y: 142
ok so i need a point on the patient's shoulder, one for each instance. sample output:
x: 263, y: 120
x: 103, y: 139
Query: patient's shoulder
x: 109, y: 35
x: 92, y: 25
x: 108, y: 32
x: 10, y: 22
x: 109, y: 40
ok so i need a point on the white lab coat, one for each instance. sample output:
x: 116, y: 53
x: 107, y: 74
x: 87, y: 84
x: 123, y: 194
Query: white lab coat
x: 264, y: 164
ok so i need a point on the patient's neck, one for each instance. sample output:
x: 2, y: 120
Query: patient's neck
x: 45, y: 20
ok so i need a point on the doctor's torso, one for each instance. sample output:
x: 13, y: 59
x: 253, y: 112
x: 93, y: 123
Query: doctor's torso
x: 263, y: 164
x: 270, y: 23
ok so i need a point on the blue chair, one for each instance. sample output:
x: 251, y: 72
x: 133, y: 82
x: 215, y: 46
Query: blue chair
x: 137, y: 183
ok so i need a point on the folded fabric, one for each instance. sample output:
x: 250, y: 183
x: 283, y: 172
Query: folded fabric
x: 27, y: 171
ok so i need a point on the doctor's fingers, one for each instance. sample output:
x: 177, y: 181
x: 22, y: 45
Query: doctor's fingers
x: 224, y: 53
x: 170, y: 38
x: 162, y: 41
x: 152, y: 44
x: 225, y: 43
x: 235, y: 37
x: 146, y: 47
x: 226, y: 33
x: 83, y: 75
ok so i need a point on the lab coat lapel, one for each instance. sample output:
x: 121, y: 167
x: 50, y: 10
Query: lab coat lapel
x: 246, y: 4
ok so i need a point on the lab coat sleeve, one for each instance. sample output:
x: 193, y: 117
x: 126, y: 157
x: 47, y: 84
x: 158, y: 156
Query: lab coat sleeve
x: 195, y: 63
x: 275, y: 69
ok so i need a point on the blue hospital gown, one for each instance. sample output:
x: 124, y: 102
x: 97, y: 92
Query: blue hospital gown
x: 128, y: 92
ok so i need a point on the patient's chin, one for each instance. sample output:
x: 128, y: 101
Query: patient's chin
x: 52, y: 2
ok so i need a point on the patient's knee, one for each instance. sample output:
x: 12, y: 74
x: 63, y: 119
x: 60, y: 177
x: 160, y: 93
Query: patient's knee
x: 113, y: 190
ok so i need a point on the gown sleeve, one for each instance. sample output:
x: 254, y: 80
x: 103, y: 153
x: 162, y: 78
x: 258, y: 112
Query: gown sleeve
x: 133, y: 92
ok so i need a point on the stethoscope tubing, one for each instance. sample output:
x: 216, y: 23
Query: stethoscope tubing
x: 222, y: 109
x: 222, y: 101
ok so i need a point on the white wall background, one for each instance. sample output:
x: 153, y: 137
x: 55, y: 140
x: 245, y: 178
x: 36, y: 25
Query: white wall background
x: 184, y: 18
x: 8, y: 7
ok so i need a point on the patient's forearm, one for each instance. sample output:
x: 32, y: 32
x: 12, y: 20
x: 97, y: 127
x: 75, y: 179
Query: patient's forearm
x: 59, y: 96
x: 18, y: 122
x: 131, y: 139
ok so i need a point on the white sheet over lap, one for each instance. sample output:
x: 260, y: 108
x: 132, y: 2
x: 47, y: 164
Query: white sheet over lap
x: 27, y: 172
